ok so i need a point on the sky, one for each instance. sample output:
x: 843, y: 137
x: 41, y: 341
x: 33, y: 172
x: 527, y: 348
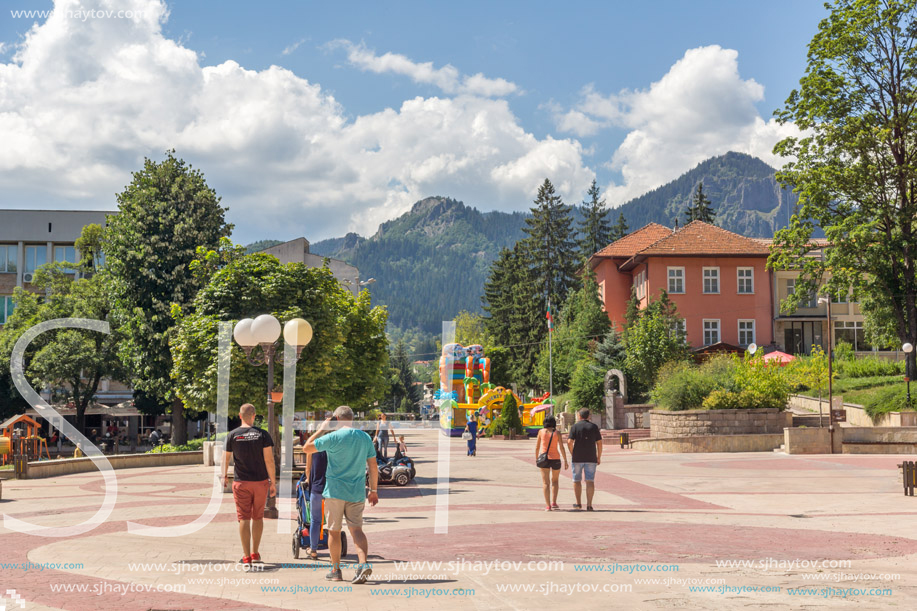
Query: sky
x: 315, y: 119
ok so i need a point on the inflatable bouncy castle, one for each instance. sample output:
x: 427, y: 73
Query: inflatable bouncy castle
x: 465, y: 388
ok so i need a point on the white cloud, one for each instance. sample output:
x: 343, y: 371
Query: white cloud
x: 446, y: 78
x: 293, y: 47
x: 700, y: 108
x: 82, y: 102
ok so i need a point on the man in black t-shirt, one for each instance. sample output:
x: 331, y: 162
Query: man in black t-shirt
x: 585, y: 444
x: 253, y: 479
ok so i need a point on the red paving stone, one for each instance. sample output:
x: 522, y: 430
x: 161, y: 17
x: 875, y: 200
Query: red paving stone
x: 634, y: 542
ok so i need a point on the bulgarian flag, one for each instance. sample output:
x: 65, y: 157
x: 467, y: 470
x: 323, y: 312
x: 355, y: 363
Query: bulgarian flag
x: 550, y: 320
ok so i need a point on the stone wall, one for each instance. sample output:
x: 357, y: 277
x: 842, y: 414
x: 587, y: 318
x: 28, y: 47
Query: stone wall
x: 711, y: 443
x: 695, y: 422
x: 66, y: 466
x: 621, y: 417
x: 856, y: 415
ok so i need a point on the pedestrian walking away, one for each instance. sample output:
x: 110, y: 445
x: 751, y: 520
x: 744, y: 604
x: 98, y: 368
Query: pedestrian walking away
x: 350, y: 454
x: 549, y: 449
x: 585, y: 444
x: 251, y: 450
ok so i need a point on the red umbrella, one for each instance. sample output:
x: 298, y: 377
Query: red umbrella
x: 781, y: 358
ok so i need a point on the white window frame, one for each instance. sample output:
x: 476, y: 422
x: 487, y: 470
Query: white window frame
x: 679, y: 326
x: 25, y: 256
x: 715, y: 277
x: 6, y: 307
x: 670, y: 279
x: 790, y: 286
x: 641, y: 284
x: 740, y: 279
x: 754, y: 331
x: 719, y: 335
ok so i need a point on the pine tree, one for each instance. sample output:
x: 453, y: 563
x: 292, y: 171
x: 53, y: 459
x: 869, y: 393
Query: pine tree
x: 620, y: 229
x: 550, y: 246
x: 700, y: 208
x: 595, y: 230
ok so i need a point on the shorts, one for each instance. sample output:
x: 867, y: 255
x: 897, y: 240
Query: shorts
x: 250, y: 498
x: 580, y: 467
x: 553, y: 464
x: 338, y: 509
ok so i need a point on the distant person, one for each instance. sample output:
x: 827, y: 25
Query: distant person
x: 551, y: 442
x: 251, y: 450
x: 155, y: 437
x: 471, y: 427
x: 316, y: 468
x: 383, y: 428
x: 350, y: 454
x: 585, y: 443
x: 401, y: 448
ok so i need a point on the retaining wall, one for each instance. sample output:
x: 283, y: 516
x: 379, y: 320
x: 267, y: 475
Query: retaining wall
x: 690, y: 423
x: 711, y: 443
x: 67, y: 466
x: 856, y: 415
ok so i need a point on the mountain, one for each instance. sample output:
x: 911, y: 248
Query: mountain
x: 742, y: 189
x: 430, y: 263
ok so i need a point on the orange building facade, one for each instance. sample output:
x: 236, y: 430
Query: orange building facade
x: 717, y: 279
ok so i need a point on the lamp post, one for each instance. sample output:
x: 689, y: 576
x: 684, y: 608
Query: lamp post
x: 827, y: 300
x: 263, y: 332
x: 908, y: 348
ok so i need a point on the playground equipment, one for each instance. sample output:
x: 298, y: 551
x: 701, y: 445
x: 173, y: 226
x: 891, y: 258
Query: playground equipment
x: 465, y: 388
x: 29, y: 444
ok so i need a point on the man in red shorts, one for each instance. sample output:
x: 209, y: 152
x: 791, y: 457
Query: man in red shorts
x: 253, y: 480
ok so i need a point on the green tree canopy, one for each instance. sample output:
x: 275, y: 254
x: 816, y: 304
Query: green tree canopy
x: 700, y: 209
x: 71, y: 362
x: 855, y: 167
x: 165, y: 214
x: 345, y: 363
x: 651, y: 341
x: 595, y: 230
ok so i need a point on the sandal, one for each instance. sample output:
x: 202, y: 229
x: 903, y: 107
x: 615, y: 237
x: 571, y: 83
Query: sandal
x: 547, y: 508
x: 577, y: 506
x: 554, y: 506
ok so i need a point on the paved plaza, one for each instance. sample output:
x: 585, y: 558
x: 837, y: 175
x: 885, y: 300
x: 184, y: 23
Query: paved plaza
x: 744, y: 531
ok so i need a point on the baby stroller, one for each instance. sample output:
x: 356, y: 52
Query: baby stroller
x: 304, y: 519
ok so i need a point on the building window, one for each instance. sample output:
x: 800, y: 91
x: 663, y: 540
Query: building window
x: 711, y: 280
x: 840, y: 296
x: 35, y: 257
x: 677, y: 328
x: 641, y: 285
x: 676, y: 280
x: 851, y: 331
x: 9, y: 253
x: 806, y: 301
x: 711, y: 332
x: 746, y: 333
x: 746, y: 280
x: 65, y: 254
x: 6, y: 308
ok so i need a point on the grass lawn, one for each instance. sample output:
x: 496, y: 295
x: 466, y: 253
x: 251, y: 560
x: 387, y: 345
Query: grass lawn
x: 859, y: 390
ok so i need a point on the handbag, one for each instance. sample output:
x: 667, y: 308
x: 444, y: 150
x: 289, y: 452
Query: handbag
x: 466, y: 436
x: 543, y: 461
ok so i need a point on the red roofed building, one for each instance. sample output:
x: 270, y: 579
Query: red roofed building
x: 716, y: 278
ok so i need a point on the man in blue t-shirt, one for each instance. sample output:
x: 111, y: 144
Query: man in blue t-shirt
x: 350, y: 453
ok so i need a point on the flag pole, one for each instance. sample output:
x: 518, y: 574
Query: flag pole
x: 550, y: 352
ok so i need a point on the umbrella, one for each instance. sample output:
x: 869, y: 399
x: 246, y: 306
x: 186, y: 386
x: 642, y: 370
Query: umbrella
x: 781, y: 358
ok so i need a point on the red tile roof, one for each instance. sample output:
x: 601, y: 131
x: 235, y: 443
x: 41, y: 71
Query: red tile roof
x: 635, y: 241
x: 699, y: 238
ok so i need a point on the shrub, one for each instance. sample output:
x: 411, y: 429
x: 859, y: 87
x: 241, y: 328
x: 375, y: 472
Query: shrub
x: 843, y: 351
x: 587, y: 386
x: 682, y: 386
x: 508, y: 420
x: 722, y: 399
x: 722, y: 369
x: 870, y: 366
x: 888, y: 399
x: 192, y: 445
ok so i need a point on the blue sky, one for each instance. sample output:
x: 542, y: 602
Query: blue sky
x: 355, y: 127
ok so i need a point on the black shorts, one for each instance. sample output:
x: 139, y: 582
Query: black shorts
x: 553, y: 464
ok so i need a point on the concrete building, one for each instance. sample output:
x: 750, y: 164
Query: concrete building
x: 31, y: 238
x: 297, y: 251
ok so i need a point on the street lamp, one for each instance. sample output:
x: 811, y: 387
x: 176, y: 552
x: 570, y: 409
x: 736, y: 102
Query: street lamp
x: 827, y: 300
x: 263, y: 332
x: 908, y: 348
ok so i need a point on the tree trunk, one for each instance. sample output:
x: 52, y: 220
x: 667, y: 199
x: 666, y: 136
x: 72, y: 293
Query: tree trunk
x: 910, y: 368
x: 179, y: 425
